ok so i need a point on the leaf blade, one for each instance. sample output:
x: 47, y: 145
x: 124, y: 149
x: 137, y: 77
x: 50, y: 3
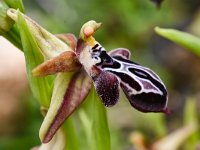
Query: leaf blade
x: 94, y: 119
x: 183, y: 39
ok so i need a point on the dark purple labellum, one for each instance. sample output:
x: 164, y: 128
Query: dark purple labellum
x: 143, y: 88
x: 107, y: 87
x: 146, y: 102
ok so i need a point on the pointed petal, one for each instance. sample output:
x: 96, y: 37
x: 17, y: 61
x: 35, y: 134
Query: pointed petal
x: 68, y: 38
x: 69, y: 91
x: 107, y: 87
x: 123, y: 52
x: 67, y: 61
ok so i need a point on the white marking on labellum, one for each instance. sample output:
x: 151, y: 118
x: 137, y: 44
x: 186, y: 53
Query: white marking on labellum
x: 143, y: 88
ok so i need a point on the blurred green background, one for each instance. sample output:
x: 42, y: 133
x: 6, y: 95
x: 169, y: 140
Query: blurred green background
x: 129, y: 24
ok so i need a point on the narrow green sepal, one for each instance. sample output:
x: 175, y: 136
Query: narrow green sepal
x: 40, y: 86
x: 50, y: 46
x: 70, y: 89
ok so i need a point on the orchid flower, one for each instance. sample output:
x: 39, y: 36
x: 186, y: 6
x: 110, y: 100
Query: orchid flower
x: 83, y: 62
x: 143, y: 88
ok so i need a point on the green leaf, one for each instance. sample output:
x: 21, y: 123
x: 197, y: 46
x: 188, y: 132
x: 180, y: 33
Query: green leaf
x: 100, y: 124
x: 94, y: 118
x: 17, y: 4
x: 184, y: 39
x: 40, y: 87
x: 72, y: 141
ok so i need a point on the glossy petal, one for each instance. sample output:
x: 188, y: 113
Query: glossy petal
x: 152, y: 97
x: 65, y: 62
x: 107, y: 87
x: 146, y: 102
x: 143, y: 88
x: 70, y: 90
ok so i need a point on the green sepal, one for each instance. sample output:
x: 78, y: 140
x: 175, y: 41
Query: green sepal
x: 49, y: 45
x: 70, y: 90
x: 61, y: 83
x: 41, y: 87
